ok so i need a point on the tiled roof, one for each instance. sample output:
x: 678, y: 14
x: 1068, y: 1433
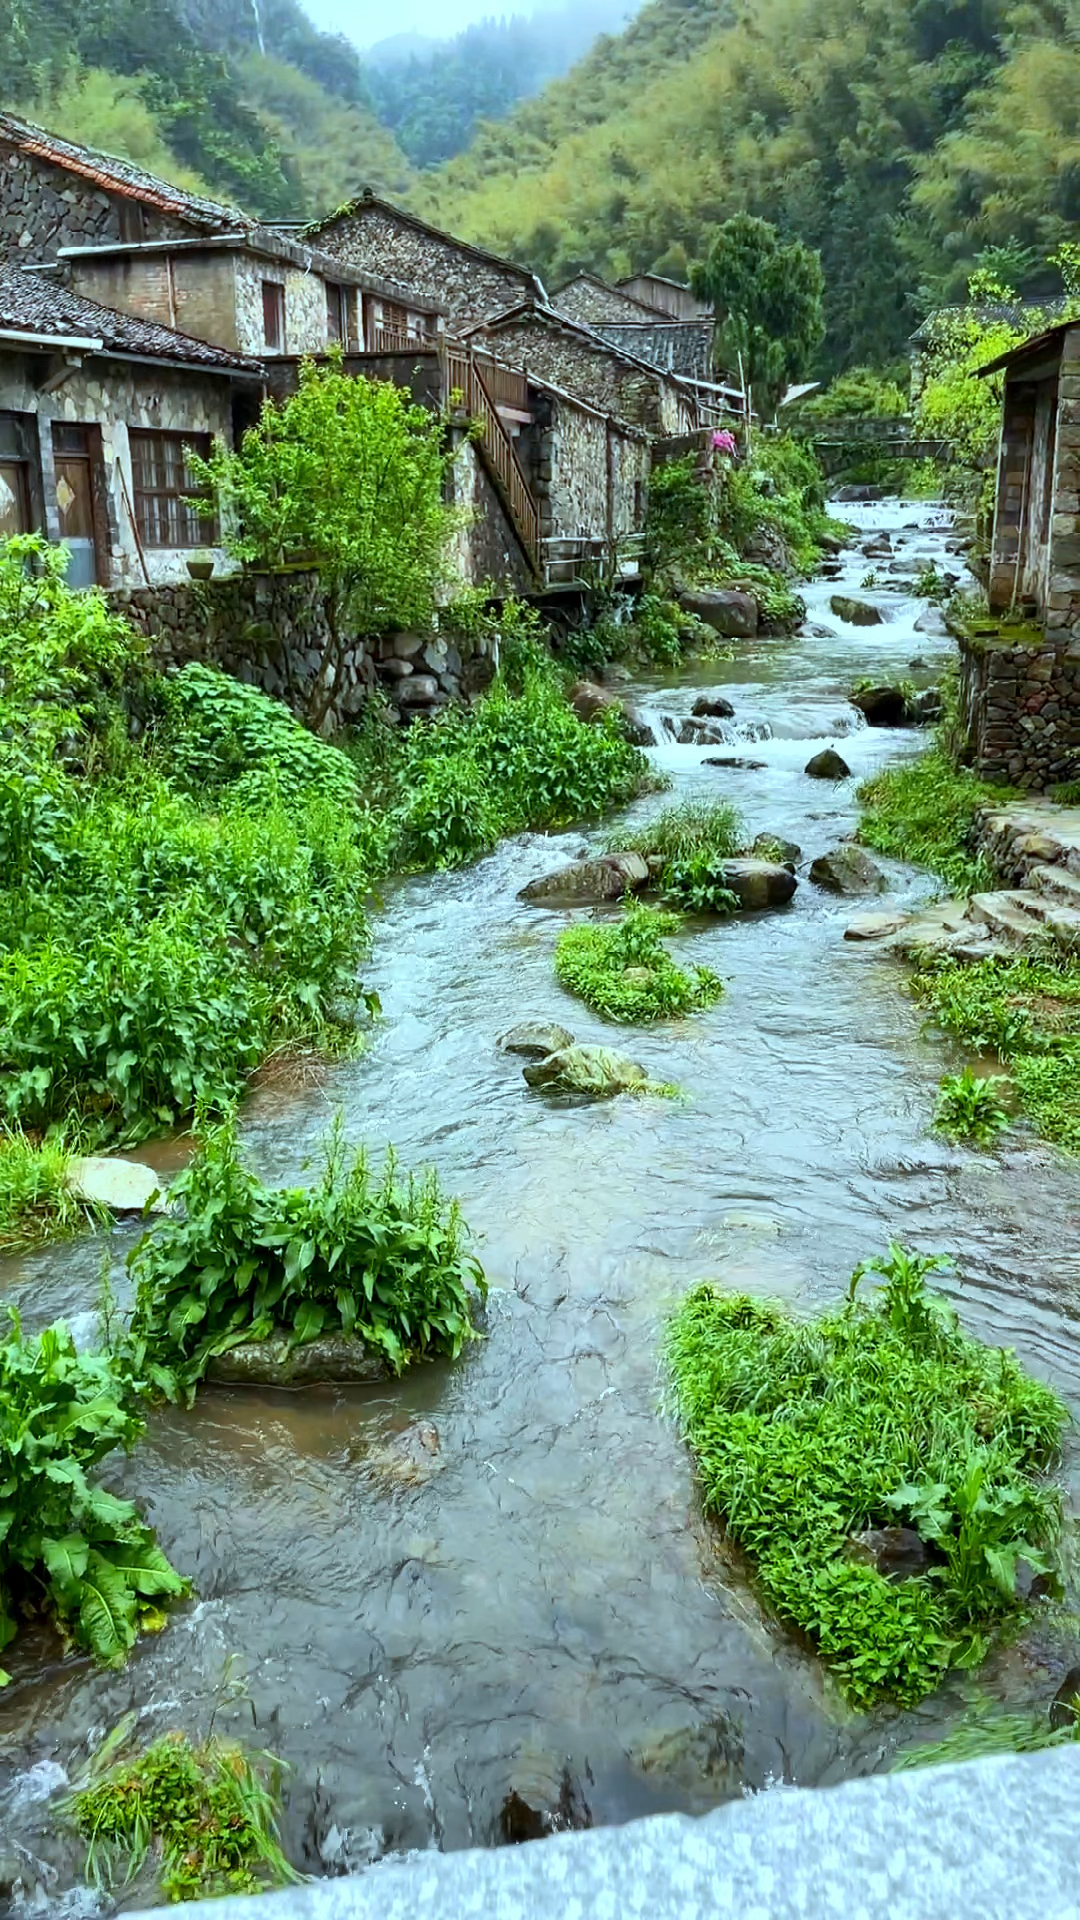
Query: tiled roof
x: 122, y: 177
x: 367, y: 200
x: 35, y: 303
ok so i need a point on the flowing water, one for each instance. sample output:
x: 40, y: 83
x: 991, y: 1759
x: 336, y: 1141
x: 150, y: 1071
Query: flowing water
x: 422, y: 1624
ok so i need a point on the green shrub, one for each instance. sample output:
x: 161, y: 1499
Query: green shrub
x: 681, y: 832
x: 876, y: 1414
x: 218, y: 729
x: 968, y: 1108
x: 698, y: 884
x: 924, y: 811
x: 380, y: 1258
x: 208, y: 1814
x: 625, y: 972
x: 36, y: 1202
x: 1027, y: 1011
x: 67, y: 1547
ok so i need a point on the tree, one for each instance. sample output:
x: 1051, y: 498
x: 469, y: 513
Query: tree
x: 767, y: 295
x: 345, y: 476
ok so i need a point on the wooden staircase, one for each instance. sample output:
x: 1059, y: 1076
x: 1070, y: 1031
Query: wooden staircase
x: 495, y: 445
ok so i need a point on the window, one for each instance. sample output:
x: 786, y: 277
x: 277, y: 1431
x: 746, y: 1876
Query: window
x: 132, y: 220
x: 337, y: 314
x: 15, y: 510
x: 163, y: 484
x: 273, y: 305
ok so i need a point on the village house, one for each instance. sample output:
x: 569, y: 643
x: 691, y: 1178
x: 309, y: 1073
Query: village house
x: 417, y: 258
x: 676, y: 345
x: 662, y: 295
x: 544, y: 343
x: 98, y: 413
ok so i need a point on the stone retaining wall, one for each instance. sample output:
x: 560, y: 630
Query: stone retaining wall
x: 270, y: 630
x: 1020, y: 710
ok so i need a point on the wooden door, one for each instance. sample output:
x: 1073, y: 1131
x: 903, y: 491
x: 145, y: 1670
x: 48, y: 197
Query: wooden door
x: 75, y: 503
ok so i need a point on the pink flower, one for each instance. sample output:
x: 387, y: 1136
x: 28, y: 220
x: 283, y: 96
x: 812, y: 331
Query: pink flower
x: 723, y: 442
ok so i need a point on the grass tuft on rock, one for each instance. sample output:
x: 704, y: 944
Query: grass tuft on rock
x: 1027, y: 1011
x: 381, y: 1258
x: 207, y: 1815
x: 625, y: 973
x: 36, y: 1202
x: 924, y: 811
x: 880, y: 1414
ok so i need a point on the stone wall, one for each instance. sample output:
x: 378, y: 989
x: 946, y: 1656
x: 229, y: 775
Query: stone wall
x: 605, y: 381
x: 589, y: 301
x: 43, y: 207
x: 113, y: 396
x: 486, y: 546
x: 591, y: 475
x: 1063, y: 599
x: 1020, y: 710
x: 418, y: 260
x: 305, y: 306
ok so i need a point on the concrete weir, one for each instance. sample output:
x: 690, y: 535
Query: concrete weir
x: 989, y: 1838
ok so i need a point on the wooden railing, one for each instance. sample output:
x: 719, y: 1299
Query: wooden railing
x: 507, y: 387
x: 464, y: 378
x: 392, y: 340
x: 581, y: 560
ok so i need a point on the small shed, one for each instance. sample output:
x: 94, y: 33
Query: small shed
x: 1035, y: 555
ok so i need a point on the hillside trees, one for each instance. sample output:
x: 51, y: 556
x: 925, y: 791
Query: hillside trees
x: 767, y: 298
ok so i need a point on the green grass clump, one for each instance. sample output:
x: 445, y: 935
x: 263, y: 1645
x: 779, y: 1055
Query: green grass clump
x: 625, y: 972
x: 68, y: 1548
x: 380, y: 1258
x: 1027, y: 1011
x: 208, y: 1814
x: 36, y: 1202
x: 679, y: 832
x: 968, y: 1108
x: 924, y: 811
x: 878, y: 1414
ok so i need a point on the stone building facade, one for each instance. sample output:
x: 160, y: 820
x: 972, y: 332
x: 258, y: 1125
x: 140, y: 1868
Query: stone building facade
x: 542, y: 343
x: 95, y: 412
x: 1020, y: 709
x: 589, y: 472
x: 54, y: 194
x: 416, y: 258
x: 1035, y: 557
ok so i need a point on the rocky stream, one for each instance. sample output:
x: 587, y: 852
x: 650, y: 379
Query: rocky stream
x: 493, y: 1579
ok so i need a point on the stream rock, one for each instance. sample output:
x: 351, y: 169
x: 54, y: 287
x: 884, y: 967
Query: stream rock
x: 593, y: 1073
x: 734, y: 760
x: 874, y: 926
x: 335, y: 1359
x: 406, y: 1459
x: 759, y: 883
x: 582, y: 881
x: 533, y: 1815
x: 769, y: 846
x: 713, y: 706
x: 1063, y: 1706
x: 859, y: 491
x: 898, y: 1553
x: 934, y: 623
x: 857, y: 613
x: 536, y: 1039
x: 882, y: 706
x: 827, y: 765
x: 728, y: 612
x: 126, y: 1186
x: 701, y: 733
x: 636, y: 730
x: 848, y: 869
x: 589, y: 700
x: 925, y: 709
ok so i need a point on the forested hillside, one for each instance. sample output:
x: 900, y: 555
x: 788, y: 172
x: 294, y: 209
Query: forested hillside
x: 909, y: 140
x: 249, y: 99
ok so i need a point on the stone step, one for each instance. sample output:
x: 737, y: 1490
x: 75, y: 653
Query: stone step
x: 1014, y: 916
x: 1057, y: 881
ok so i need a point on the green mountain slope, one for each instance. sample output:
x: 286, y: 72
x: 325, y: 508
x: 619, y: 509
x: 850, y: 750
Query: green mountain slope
x: 903, y: 138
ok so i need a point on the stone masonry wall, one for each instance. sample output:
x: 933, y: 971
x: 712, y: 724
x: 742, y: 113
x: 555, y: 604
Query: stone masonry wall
x: 43, y: 207
x: 1063, y: 599
x: 1020, y: 711
x: 469, y: 287
x: 609, y: 384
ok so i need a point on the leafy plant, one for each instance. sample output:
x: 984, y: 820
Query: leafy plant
x: 807, y: 1436
x: 693, y: 830
x: 924, y: 811
x: 969, y: 1108
x: 67, y: 1547
x: 625, y: 972
x: 698, y: 884
x: 381, y: 1259
x: 208, y: 1813
x: 1027, y: 1011
x: 36, y: 1201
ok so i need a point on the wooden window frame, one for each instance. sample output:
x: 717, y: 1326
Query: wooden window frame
x: 273, y: 310
x: 160, y: 489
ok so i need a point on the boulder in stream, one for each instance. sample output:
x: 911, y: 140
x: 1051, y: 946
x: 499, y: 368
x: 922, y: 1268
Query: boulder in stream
x: 335, y: 1359
x: 848, y: 869
x: 827, y: 765
x: 882, y: 706
x: 730, y: 613
x: 734, y: 760
x: 857, y: 613
x: 770, y: 846
x: 589, y: 700
x: 125, y: 1186
x: 581, y: 881
x: 759, y: 883
x: 1065, y: 1705
x: 535, y: 1039
x: 713, y: 706
x: 874, y: 926
x: 701, y: 733
x: 592, y: 1073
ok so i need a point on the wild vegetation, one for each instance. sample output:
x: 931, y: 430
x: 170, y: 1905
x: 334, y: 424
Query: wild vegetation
x: 924, y: 811
x: 206, y: 1814
x: 378, y: 1257
x: 766, y: 294
x: 68, y: 1548
x: 812, y: 1438
x: 1027, y: 1011
x: 625, y: 972
x: 969, y: 1108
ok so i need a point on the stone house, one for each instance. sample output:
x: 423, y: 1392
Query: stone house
x: 253, y: 291
x: 677, y: 345
x: 98, y: 411
x: 545, y: 344
x: 54, y: 194
x: 419, y: 259
x: 672, y: 297
x: 1035, y: 553
x: 589, y: 474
